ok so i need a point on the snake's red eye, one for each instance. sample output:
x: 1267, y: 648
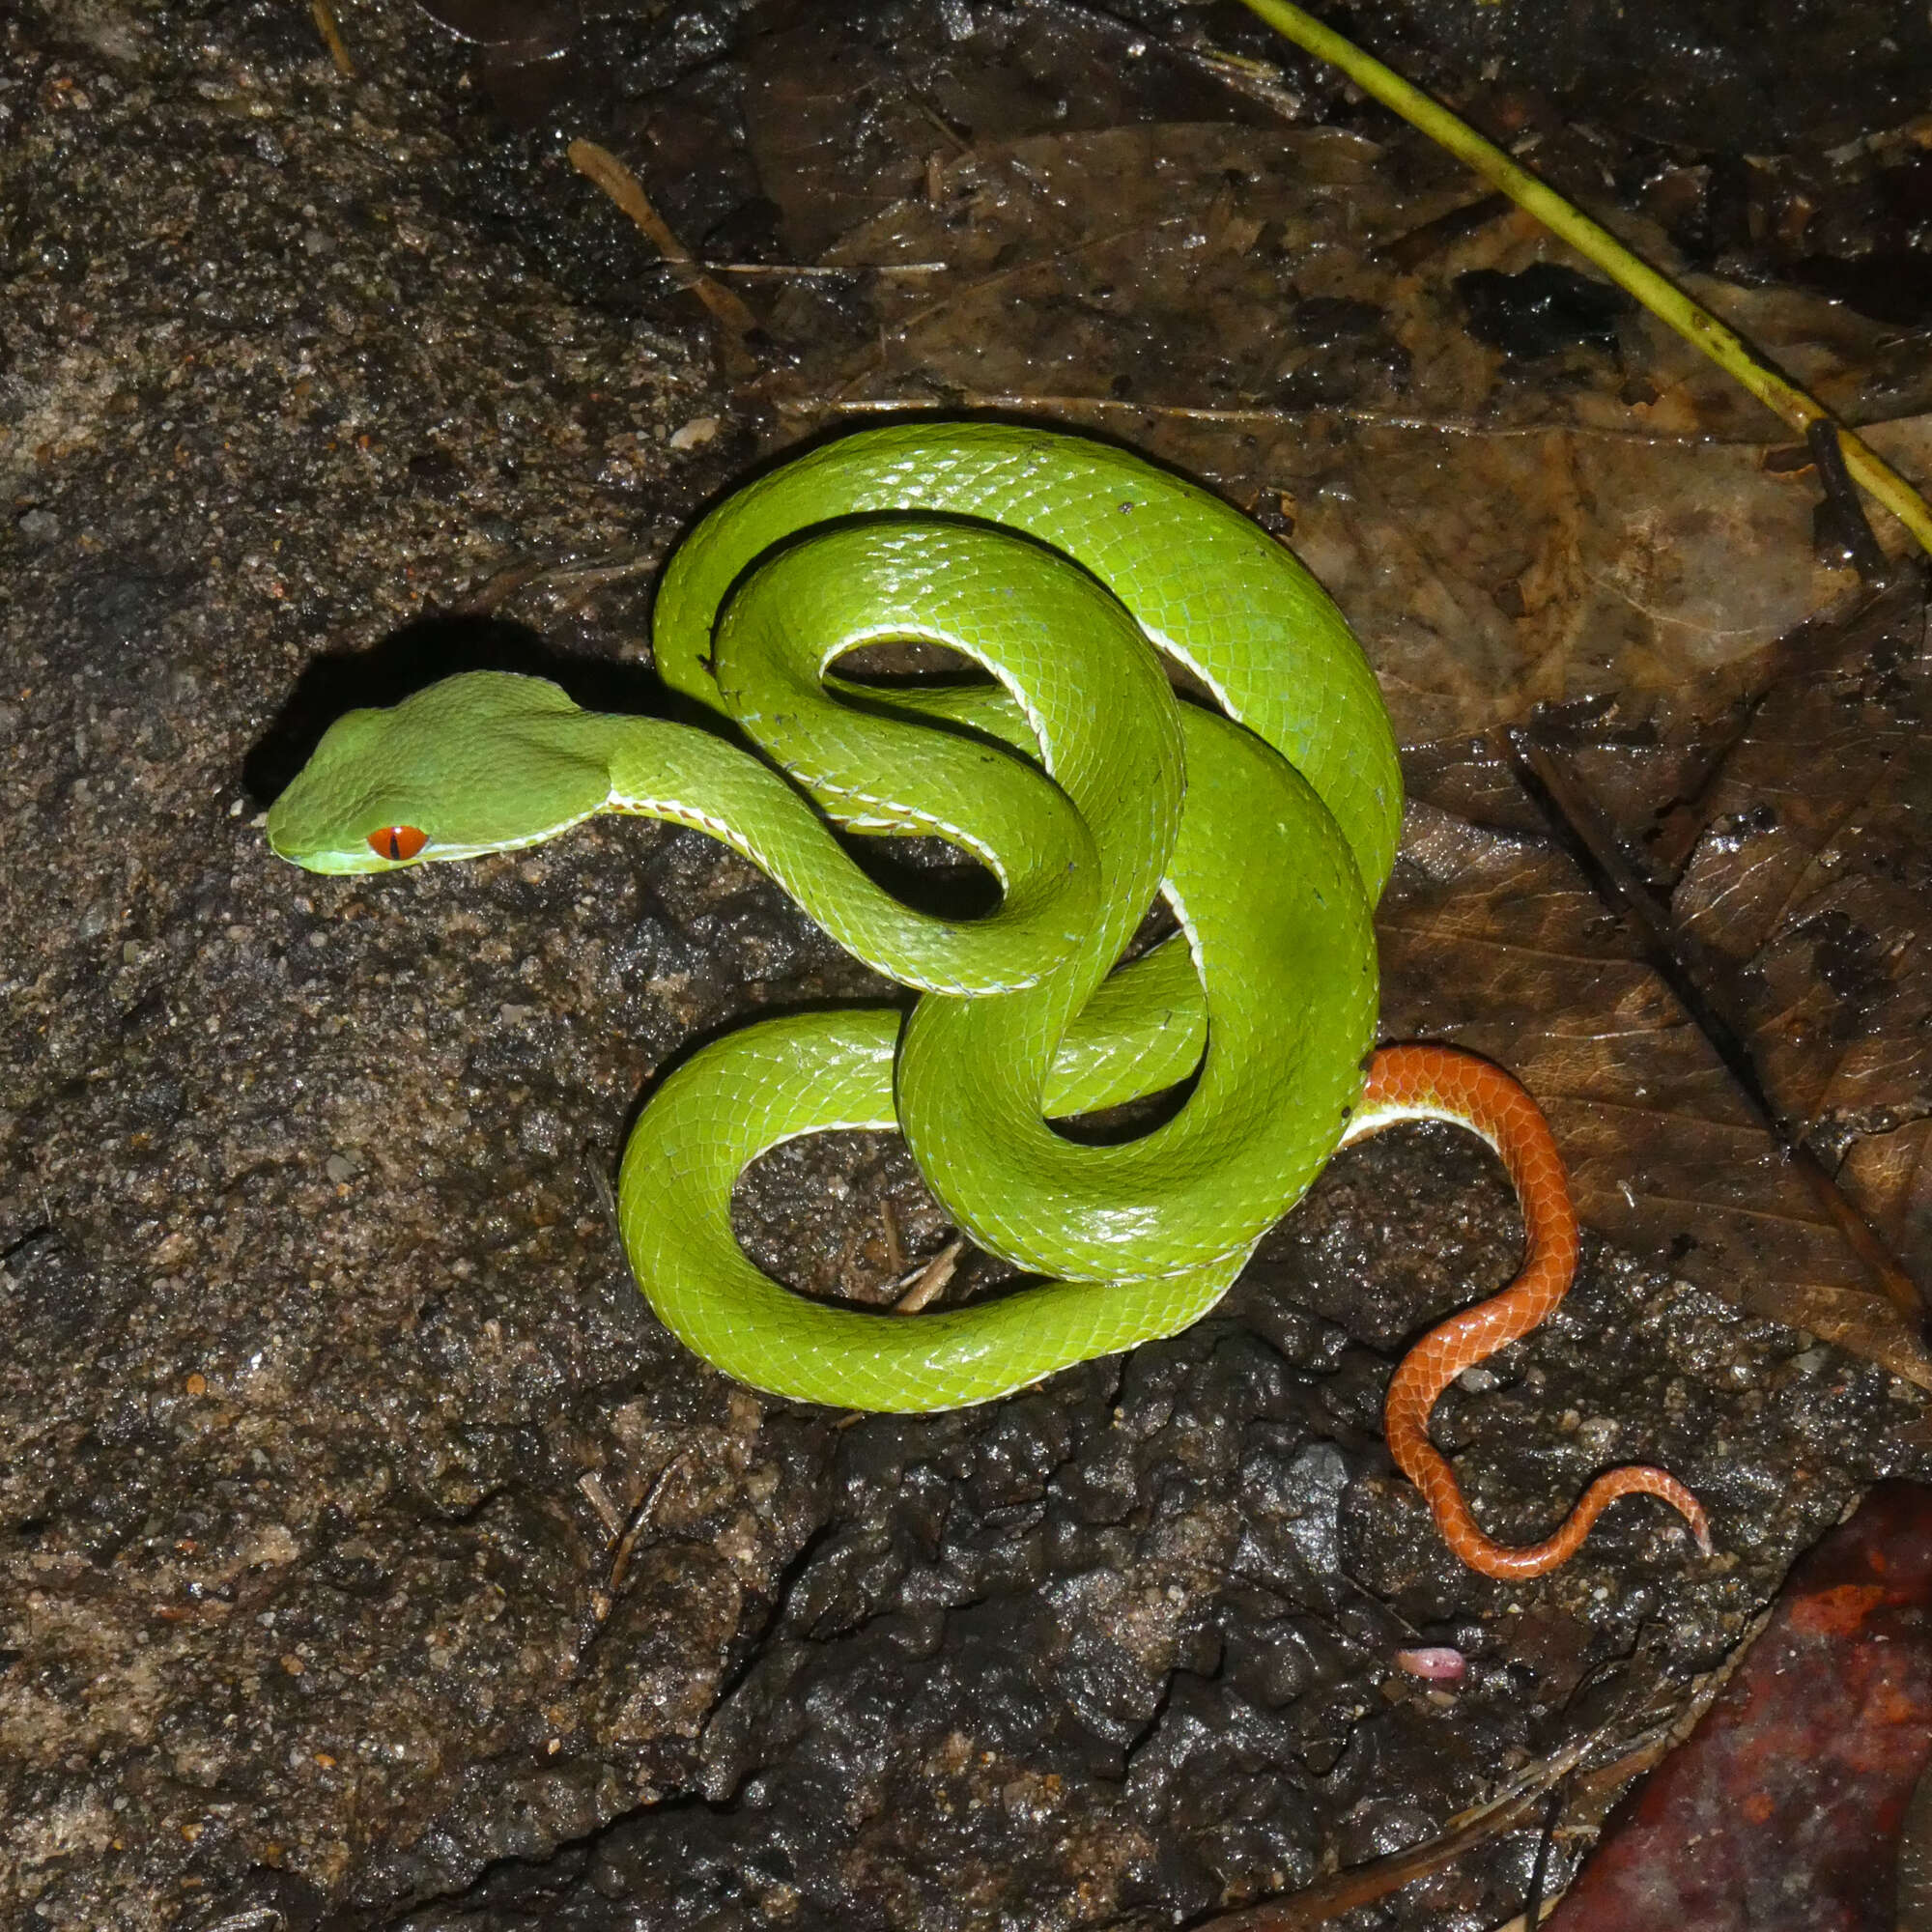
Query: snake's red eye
x: 397, y: 841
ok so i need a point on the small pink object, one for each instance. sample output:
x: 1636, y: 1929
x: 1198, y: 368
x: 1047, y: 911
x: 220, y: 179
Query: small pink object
x: 1435, y: 1661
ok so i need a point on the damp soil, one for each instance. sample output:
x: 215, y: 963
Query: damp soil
x: 369, y: 1555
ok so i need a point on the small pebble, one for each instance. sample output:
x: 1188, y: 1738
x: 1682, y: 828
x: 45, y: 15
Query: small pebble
x: 1437, y: 1663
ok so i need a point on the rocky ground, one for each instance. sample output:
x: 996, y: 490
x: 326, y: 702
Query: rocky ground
x: 369, y: 1555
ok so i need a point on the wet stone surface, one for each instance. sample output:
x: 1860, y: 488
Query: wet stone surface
x: 368, y: 1554
x: 1123, y: 1650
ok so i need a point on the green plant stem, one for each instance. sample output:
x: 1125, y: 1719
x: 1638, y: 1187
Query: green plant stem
x: 1656, y: 291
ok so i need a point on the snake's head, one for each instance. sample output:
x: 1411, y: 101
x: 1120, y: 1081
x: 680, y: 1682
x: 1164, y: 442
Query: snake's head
x: 478, y: 763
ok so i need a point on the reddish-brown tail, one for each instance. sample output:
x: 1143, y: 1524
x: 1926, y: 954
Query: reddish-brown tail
x: 1438, y: 1083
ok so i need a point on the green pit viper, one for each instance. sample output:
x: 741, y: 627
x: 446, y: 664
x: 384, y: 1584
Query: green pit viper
x: 1079, y: 578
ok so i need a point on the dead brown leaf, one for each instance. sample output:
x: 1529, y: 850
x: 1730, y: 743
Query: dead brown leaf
x: 1811, y: 877
x: 1810, y: 888
x: 1496, y: 942
x: 1277, y: 310
x: 1237, y: 300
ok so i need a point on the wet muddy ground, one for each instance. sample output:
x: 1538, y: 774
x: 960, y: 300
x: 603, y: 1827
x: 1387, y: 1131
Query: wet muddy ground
x: 369, y: 1555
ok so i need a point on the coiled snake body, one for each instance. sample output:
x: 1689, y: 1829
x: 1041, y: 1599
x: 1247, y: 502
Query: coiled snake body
x: 1067, y: 569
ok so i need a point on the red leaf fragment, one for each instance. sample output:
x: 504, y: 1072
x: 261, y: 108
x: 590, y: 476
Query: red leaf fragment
x: 1781, y: 1812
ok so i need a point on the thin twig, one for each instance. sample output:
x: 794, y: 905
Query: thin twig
x: 251, y: 1918
x: 1520, y: 1922
x: 1826, y: 442
x: 1532, y: 1908
x: 829, y: 271
x: 932, y: 1276
x: 604, y: 168
x: 1015, y: 403
x: 604, y: 1599
x: 599, y: 1499
x: 1664, y: 299
x: 497, y: 590
x: 1364, y: 1883
x: 324, y: 16
x: 620, y: 1555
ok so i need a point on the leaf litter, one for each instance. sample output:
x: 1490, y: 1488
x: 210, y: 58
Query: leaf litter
x: 1525, y: 497
x: 1608, y: 519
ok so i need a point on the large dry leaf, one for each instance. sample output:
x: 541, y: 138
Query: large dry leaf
x: 1810, y: 891
x: 1233, y: 298
x: 1243, y: 303
x: 1498, y: 943
x: 1810, y: 881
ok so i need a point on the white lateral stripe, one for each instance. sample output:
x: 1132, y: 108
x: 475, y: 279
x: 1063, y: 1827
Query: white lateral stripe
x: 1367, y: 1120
